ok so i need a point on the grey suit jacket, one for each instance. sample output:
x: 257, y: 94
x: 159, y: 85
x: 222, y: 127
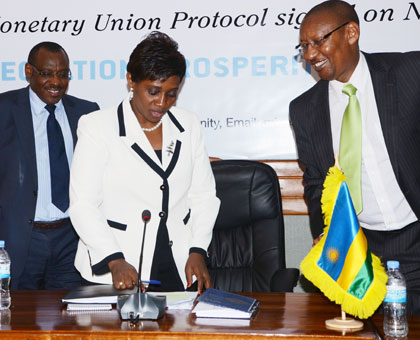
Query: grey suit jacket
x: 396, y: 83
x: 18, y: 171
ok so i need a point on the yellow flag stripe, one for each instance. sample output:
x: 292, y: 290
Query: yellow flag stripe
x: 355, y: 259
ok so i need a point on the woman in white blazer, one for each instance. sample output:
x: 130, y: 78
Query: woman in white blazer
x: 144, y: 154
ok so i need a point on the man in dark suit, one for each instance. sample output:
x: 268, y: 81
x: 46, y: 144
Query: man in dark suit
x: 388, y: 92
x: 37, y: 136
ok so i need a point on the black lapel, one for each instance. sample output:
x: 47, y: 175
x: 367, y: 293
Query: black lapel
x: 148, y: 160
x: 384, y: 86
x: 25, y: 129
x: 153, y: 165
x: 175, y: 121
x: 162, y: 173
x: 121, y: 124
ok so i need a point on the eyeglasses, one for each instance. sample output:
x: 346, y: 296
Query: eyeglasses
x: 65, y: 75
x: 318, y: 43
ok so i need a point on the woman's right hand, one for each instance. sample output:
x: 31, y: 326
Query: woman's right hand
x: 124, y: 275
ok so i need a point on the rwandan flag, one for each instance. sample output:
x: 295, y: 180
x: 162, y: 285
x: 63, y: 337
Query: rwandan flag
x: 341, y: 264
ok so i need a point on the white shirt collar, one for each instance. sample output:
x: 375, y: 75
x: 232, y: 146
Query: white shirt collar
x: 357, y: 79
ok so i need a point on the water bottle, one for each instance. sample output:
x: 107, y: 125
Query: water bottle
x: 395, y: 319
x: 4, y: 278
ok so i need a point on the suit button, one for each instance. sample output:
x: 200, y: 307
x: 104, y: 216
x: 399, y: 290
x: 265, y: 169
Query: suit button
x: 35, y: 193
x: 162, y: 214
x: 171, y: 243
x: 163, y: 187
x: 30, y: 221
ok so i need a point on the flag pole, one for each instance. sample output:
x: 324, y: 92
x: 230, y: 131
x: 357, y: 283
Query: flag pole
x: 343, y: 324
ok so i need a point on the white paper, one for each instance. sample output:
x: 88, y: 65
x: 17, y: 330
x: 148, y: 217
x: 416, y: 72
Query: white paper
x: 89, y: 307
x: 225, y: 322
x: 178, y: 300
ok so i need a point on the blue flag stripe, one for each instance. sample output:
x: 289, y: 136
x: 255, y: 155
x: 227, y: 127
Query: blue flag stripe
x: 341, y: 236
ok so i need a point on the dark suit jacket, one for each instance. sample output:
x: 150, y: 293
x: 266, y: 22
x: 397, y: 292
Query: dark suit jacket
x: 18, y: 171
x: 396, y: 83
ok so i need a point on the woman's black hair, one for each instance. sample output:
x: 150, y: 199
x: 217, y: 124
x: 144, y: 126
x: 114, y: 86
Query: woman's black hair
x: 156, y: 58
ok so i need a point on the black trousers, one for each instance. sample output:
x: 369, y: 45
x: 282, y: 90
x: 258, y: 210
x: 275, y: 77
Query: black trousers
x: 50, y: 261
x: 404, y: 246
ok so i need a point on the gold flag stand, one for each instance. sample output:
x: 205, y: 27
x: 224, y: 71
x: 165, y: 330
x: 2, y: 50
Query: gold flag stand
x: 344, y: 324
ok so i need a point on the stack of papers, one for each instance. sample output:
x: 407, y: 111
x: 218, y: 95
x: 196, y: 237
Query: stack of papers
x: 94, y: 307
x: 107, y: 294
x: 214, y: 303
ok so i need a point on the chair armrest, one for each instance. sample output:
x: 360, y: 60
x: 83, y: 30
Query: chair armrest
x: 284, y: 280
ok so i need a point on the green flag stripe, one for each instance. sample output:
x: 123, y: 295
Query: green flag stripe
x: 364, y: 278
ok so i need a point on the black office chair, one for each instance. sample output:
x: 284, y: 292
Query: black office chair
x: 247, y: 252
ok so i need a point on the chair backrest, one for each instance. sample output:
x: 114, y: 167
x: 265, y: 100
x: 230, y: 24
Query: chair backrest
x: 248, y: 238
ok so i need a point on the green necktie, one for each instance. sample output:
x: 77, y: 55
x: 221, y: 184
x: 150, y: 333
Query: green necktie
x: 351, y: 147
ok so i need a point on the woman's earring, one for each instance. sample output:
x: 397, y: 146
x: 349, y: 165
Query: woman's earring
x: 131, y: 94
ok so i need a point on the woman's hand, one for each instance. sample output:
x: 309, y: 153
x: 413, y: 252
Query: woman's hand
x: 197, y: 266
x: 124, y: 275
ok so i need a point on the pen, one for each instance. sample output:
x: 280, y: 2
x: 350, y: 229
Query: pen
x: 152, y: 282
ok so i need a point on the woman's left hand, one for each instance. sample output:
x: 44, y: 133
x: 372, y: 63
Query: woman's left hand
x: 196, y: 265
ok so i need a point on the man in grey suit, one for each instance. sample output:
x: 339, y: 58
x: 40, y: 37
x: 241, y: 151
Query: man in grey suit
x: 37, y: 136
x: 388, y: 90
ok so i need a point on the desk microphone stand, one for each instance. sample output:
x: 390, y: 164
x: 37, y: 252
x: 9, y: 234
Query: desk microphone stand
x: 141, y: 306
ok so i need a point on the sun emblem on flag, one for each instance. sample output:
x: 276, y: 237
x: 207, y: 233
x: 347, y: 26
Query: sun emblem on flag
x: 333, y: 254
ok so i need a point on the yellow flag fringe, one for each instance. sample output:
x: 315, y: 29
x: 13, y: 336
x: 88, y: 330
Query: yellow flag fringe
x: 361, y: 308
x: 331, y: 188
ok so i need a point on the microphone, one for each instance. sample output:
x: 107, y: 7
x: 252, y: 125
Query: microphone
x: 145, y: 216
x: 141, y: 305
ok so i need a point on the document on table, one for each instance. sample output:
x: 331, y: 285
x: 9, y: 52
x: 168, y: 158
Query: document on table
x: 206, y: 310
x: 87, y: 307
x: 178, y: 300
x: 96, y: 294
x: 214, y: 303
x: 107, y: 294
x: 222, y: 322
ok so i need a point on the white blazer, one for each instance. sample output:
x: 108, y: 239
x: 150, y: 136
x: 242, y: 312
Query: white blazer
x: 116, y: 174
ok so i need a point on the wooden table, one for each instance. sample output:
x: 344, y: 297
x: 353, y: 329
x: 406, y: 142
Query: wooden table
x: 40, y: 315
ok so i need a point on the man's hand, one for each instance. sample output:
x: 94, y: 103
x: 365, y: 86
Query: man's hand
x: 317, y: 240
x: 124, y: 275
x: 197, y: 266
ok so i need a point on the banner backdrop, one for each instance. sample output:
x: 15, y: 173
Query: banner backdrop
x: 243, y: 68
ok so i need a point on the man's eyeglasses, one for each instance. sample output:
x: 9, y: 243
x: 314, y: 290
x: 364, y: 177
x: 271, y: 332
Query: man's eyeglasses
x: 65, y: 75
x: 318, y: 43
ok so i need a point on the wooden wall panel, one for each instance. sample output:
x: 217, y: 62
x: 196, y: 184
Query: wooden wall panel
x: 290, y: 176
